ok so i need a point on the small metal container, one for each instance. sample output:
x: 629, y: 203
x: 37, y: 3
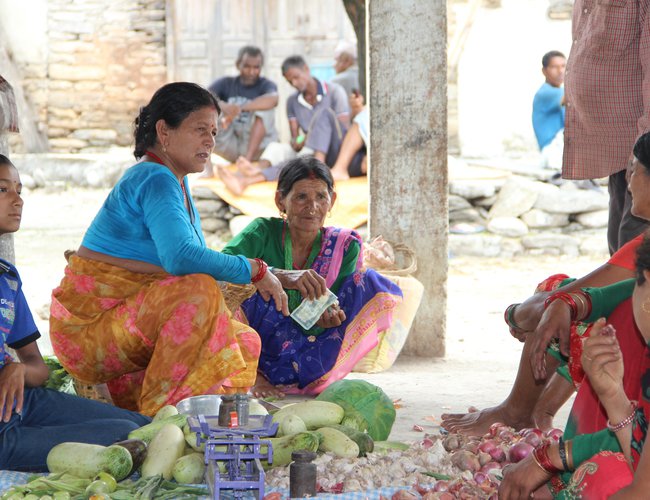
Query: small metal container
x: 242, y: 409
x: 207, y: 404
x: 302, y: 474
x: 225, y: 409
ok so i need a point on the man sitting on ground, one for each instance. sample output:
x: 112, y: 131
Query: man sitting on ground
x: 352, y: 159
x: 248, y: 104
x: 345, y: 65
x: 318, y: 116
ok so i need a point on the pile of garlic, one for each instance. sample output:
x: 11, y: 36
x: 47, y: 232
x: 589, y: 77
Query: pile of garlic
x: 395, y: 468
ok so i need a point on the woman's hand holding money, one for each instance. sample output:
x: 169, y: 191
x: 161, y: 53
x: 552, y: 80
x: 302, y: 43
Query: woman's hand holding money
x: 332, y: 317
x: 309, y: 283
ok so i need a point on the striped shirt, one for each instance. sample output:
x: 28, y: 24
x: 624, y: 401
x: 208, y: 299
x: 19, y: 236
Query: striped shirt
x: 607, y: 83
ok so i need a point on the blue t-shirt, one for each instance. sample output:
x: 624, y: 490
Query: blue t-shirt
x: 144, y: 218
x: 17, y: 327
x: 548, y: 113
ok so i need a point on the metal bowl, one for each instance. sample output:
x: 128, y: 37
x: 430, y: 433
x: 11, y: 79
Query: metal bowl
x: 200, y: 405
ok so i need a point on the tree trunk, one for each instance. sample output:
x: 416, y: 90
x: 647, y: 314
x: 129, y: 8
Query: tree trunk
x: 356, y: 10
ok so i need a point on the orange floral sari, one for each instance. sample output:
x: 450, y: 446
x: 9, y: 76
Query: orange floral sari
x: 153, y: 338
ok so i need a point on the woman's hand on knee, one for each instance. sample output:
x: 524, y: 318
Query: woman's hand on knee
x: 269, y: 287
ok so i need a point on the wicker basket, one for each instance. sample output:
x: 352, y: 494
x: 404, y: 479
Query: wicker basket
x: 394, y: 259
x: 234, y: 294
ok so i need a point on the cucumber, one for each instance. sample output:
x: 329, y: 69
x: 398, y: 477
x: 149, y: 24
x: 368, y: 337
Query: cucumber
x: 291, y: 424
x: 165, y: 412
x: 337, y: 442
x: 284, y: 446
x: 387, y: 446
x: 165, y: 448
x: 190, y: 439
x: 256, y: 408
x: 87, y: 460
x: 363, y: 439
x: 147, y: 432
x: 189, y: 469
x: 314, y: 414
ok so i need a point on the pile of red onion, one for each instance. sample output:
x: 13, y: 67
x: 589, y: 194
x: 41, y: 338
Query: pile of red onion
x: 481, y: 460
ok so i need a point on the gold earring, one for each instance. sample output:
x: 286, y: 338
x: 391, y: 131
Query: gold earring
x: 283, y: 215
x: 646, y: 305
x: 329, y: 214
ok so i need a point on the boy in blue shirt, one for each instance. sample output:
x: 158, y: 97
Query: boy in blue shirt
x: 34, y: 419
x: 548, y: 110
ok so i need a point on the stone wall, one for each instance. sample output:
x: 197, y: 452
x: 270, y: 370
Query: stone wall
x: 519, y: 214
x: 487, y: 218
x: 104, y: 61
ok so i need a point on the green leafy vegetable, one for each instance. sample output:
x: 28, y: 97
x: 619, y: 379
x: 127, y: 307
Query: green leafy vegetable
x: 59, y: 379
x: 363, y: 402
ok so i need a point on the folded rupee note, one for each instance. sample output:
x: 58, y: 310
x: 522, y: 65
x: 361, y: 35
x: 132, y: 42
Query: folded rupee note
x: 309, y: 311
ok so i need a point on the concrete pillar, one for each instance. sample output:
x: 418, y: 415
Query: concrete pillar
x: 407, y: 70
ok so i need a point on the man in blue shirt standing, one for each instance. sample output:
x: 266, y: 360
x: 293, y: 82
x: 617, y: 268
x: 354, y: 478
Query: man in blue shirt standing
x: 548, y: 110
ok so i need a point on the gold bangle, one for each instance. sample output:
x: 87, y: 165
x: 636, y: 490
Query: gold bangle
x: 583, y: 304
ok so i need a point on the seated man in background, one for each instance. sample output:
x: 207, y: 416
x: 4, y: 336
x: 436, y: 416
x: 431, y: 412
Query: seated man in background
x: 247, y: 104
x: 548, y: 110
x: 345, y: 65
x: 318, y: 116
x: 352, y: 159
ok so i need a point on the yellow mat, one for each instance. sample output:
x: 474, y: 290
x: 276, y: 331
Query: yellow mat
x: 350, y: 209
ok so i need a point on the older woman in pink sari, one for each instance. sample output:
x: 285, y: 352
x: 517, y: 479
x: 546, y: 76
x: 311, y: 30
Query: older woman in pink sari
x: 309, y: 259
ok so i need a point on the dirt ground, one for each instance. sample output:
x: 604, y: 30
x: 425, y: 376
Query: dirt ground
x: 481, y: 357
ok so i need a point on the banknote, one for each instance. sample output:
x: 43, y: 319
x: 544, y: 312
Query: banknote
x: 309, y: 311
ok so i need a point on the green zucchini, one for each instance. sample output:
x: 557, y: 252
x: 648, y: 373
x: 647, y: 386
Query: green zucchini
x: 147, y: 432
x: 87, y: 460
x: 363, y: 439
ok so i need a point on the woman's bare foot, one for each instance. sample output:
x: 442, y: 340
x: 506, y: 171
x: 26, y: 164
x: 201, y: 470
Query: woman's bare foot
x: 340, y: 175
x: 265, y: 389
x: 246, y: 167
x: 478, y: 422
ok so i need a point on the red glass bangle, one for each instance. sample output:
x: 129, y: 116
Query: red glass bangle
x: 261, y: 270
x: 540, y: 454
x: 567, y: 299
